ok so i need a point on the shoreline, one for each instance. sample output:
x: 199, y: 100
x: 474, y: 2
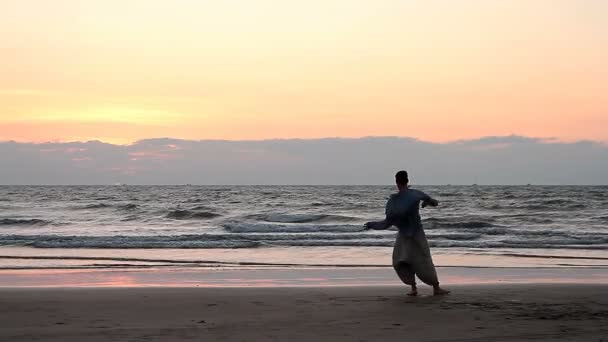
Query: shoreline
x: 13, y: 257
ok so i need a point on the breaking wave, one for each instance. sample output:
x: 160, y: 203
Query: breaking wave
x: 191, y: 215
x: 130, y: 206
x: 284, y: 228
x: 244, y: 240
x: 23, y: 222
x: 434, y: 223
x: 301, y: 218
x: 94, y: 206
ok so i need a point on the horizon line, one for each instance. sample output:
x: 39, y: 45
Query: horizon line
x: 537, y: 139
x: 317, y: 185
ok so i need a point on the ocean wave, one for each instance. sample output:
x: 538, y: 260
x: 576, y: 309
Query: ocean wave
x: 447, y: 194
x: 202, y: 208
x: 298, y: 236
x: 549, y: 205
x: 558, y: 202
x: 300, y: 218
x: 434, y: 223
x: 551, y: 256
x: 537, y: 207
x: 23, y: 222
x: 191, y: 215
x: 194, y: 200
x: 105, y: 198
x: 186, y: 241
x: 455, y: 236
x: 559, y: 241
x: 575, y: 206
x: 283, y: 228
x: 151, y: 262
x: 561, y: 237
x: 456, y: 244
x: 493, y: 206
x: 493, y: 231
x: 322, y: 204
x: 130, y: 218
x: 93, y: 206
x: 469, y: 224
x: 129, y: 206
x: 244, y: 240
x: 183, y: 241
x: 539, y: 220
x: 335, y: 243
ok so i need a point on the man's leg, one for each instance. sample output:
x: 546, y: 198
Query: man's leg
x: 424, y: 267
x: 407, y: 276
x: 426, y: 272
x: 401, y: 263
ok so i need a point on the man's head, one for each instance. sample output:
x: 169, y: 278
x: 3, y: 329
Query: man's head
x: 401, y: 179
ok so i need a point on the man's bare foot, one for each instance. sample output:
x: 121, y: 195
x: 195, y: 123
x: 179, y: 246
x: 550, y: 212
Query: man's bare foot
x: 438, y: 291
x: 413, y: 292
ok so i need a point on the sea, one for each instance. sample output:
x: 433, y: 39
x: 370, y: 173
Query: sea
x: 130, y: 226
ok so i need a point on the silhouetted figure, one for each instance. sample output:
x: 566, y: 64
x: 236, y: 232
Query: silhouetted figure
x: 411, y: 255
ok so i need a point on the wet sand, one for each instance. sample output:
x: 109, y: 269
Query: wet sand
x: 288, y: 277
x: 490, y: 312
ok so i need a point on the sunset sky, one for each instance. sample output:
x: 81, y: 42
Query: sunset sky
x: 124, y: 70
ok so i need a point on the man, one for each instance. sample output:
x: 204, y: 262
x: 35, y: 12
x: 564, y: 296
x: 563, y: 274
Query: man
x: 411, y: 255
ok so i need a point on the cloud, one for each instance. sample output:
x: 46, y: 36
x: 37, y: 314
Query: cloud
x: 492, y: 140
x: 371, y: 160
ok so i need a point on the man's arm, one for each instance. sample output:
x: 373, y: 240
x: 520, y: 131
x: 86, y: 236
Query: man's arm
x: 384, y: 224
x: 378, y: 225
x: 428, y: 200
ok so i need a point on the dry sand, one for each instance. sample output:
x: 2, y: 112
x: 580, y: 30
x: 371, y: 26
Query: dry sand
x: 519, y: 312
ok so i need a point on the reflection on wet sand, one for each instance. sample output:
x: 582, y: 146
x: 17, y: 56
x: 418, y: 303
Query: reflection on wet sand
x: 287, y: 277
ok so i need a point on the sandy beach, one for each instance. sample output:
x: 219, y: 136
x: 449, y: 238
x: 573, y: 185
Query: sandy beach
x: 264, y: 312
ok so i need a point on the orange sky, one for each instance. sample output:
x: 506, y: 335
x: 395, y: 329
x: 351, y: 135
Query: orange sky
x: 120, y: 71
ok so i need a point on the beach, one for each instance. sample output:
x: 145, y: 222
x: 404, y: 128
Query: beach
x: 316, y: 304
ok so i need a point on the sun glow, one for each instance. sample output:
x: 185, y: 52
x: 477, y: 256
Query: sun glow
x: 435, y: 70
x: 108, y: 114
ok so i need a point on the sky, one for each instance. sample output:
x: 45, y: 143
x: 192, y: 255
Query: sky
x: 435, y: 70
x: 492, y: 160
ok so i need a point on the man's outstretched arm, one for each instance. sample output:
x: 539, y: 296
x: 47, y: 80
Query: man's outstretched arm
x: 378, y: 225
x: 427, y: 200
x: 387, y: 222
x: 430, y: 201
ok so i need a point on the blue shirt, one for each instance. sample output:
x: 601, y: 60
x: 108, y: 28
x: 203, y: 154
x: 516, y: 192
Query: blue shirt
x: 402, y: 211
